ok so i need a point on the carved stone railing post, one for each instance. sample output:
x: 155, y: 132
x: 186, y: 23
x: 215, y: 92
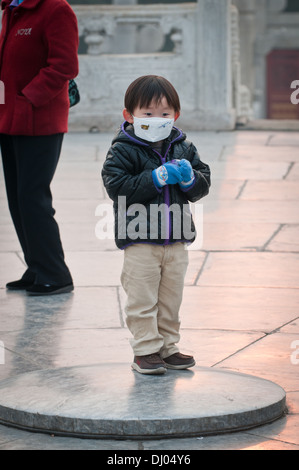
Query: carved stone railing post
x: 93, y: 37
x: 214, y: 69
x: 241, y: 94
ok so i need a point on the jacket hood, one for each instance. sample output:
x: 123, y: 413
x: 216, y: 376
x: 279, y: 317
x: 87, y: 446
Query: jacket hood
x: 25, y: 4
x: 126, y: 134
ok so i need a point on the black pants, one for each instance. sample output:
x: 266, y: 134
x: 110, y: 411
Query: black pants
x: 29, y: 165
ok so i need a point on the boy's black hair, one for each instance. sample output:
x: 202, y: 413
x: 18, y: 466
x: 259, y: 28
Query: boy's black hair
x: 150, y: 88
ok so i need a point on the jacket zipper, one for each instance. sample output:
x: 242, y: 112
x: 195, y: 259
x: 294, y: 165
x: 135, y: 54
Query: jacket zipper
x: 166, y: 196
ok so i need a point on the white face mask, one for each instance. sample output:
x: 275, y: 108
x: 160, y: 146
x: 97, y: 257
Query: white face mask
x: 153, y: 129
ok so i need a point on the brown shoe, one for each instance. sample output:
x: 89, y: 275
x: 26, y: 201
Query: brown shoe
x: 179, y: 361
x: 151, y: 364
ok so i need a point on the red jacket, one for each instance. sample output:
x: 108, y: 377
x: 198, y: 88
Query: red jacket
x: 38, y: 56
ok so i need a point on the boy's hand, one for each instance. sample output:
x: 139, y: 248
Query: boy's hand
x: 186, y: 172
x: 169, y: 173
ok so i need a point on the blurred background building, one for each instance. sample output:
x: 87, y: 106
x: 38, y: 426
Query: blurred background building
x: 232, y: 61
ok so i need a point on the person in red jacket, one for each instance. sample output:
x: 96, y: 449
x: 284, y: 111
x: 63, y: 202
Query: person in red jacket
x: 38, y: 57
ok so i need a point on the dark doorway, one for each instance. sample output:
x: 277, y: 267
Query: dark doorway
x: 282, y: 70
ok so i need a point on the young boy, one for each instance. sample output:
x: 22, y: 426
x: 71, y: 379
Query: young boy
x: 152, y: 171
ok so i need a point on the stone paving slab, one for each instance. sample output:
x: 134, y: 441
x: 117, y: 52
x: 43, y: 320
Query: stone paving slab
x: 93, y: 307
x: 237, y: 236
x: 238, y: 308
x: 260, y: 356
x: 249, y: 169
x: 271, y: 190
x: 8, y: 239
x: 96, y: 268
x: 294, y: 173
x: 279, y: 270
x: 261, y: 212
x: 13, y: 264
x: 39, y: 350
x: 286, y: 240
x: 285, y: 138
x: 269, y: 153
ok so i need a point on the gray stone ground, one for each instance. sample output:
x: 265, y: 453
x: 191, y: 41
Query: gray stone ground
x: 241, y: 305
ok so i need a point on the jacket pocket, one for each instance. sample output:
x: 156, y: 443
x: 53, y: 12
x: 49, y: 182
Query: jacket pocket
x: 22, y: 120
x: 42, y: 122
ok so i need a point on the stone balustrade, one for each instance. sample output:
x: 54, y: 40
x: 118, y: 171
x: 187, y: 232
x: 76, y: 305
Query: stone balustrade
x: 194, y: 45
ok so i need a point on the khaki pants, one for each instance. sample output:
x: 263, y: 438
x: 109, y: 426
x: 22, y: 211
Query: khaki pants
x: 153, y: 279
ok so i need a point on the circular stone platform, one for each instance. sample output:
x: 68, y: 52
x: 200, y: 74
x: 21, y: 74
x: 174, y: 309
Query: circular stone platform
x: 111, y: 401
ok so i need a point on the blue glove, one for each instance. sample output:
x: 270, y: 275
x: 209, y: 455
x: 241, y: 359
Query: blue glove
x: 187, y: 173
x: 169, y: 173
